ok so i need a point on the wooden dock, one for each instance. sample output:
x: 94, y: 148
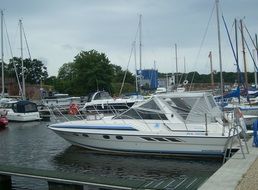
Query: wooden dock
x: 58, y: 180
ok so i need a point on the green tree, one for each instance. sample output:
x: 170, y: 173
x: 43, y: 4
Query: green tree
x: 34, y: 70
x: 90, y: 71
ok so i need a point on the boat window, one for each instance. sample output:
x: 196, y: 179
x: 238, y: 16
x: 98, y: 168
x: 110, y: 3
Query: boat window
x: 97, y: 96
x: 85, y: 135
x: 119, y: 137
x: 89, y: 97
x: 75, y: 134
x: 150, y: 105
x: 106, y: 137
x: 142, y: 114
x: 148, y: 138
x: 173, y: 139
x: 212, y: 102
x: 183, y: 106
x: 160, y: 139
x: 105, y: 95
x: 30, y: 108
x: 14, y: 107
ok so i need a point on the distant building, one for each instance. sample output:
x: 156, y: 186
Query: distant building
x: 149, y: 78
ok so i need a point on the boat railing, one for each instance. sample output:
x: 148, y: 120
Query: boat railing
x: 235, y: 131
x: 61, y: 114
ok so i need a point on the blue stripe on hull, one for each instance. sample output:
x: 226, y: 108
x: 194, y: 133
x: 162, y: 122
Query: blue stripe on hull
x: 123, y: 128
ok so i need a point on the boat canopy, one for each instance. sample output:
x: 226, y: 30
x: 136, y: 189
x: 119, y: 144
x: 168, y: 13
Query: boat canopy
x: 23, y: 106
x: 188, y: 107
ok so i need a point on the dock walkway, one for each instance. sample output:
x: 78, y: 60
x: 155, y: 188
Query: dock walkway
x: 230, y: 175
x: 58, y: 180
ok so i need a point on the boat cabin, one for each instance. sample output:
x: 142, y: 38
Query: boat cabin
x: 22, y: 106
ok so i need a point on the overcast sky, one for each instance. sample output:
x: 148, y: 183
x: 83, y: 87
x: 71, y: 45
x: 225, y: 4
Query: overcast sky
x: 57, y: 30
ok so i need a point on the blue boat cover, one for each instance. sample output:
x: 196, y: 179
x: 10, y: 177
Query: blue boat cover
x: 255, y: 135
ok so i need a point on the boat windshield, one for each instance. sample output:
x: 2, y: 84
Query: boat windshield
x: 149, y: 110
x: 182, y: 105
x: 102, y: 96
x: 141, y: 114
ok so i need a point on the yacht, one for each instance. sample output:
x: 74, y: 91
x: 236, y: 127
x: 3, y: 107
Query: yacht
x: 101, y: 101
x: 21, y: 110
x: 60, y: 100
x: 184, y: 123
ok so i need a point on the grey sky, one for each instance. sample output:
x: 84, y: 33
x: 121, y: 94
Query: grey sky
x: 58, y: 30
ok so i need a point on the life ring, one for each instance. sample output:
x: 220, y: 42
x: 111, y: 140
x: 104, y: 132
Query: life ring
x: 73, y: 109
x: 185, y: 82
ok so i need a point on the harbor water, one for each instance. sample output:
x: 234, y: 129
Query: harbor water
x: 33, y: 145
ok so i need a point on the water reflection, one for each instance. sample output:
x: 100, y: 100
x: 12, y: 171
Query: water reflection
x: 33, y: 145
x: 85, y: 161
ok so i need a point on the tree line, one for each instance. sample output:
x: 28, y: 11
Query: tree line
x: 91, y: 71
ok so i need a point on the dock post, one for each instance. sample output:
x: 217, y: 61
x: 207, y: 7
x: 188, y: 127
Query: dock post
x: 5, y: 182
x: 63, y: 186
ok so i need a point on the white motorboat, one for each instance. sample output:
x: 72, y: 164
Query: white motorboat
x: 22, y: 110
x: 101, y: 101
x: 60, y: 100
x: 172, y: 123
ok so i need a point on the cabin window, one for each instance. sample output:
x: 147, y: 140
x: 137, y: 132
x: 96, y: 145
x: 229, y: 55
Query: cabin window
x: 14, y: 107
x: 105, y: 95
x: 150, y: 105
x: 119, y: 137
x: 75, y: 134
x: 106, y: 137
x: 182, y: 106
x: 31, y: 108
x: 89, y: 97
x: 142, y: 114
x: 173, y: 139
x: 85, y: 135
x: 160, y: 139
x: 148, y: 138
x: 97, y: 97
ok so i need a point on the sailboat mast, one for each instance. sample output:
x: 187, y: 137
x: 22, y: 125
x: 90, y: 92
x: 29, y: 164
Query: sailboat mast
x: 212, y: 77
x: 140, y: 48
x: 220, y: 59
x: 2, y: 49
x: 135, y: 62
x: 176, y: 82
x: 23, y: 80
x: 244, y: 56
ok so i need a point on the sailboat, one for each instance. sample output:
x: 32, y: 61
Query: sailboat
x: 21, y: 110
x: 250, y: 112
x: 3, y: 113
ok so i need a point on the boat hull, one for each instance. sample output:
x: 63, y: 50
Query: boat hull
x: 145, y: 144
x: 23, y: 117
